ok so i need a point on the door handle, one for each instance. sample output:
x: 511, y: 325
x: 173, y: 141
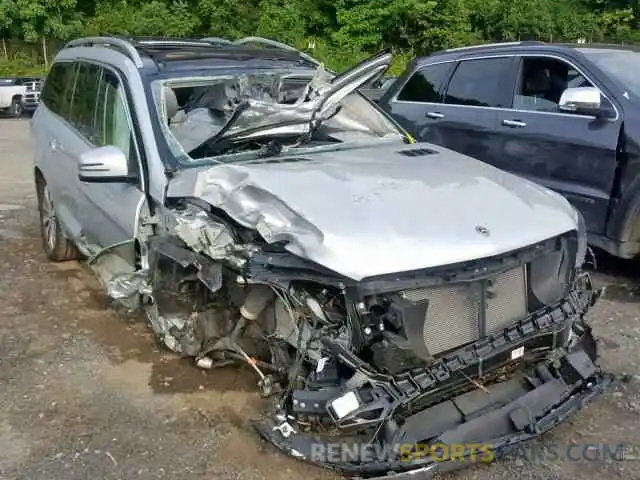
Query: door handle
x: 514, y: 123
x: 435, y: 115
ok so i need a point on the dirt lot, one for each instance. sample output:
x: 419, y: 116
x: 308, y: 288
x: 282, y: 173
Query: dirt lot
x: 86, y: 393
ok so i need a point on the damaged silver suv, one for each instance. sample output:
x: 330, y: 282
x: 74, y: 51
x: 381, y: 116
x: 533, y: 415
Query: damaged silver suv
x: 391, y: 297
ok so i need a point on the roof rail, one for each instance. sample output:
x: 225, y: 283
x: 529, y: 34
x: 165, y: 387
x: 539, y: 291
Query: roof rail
x: 220, y: 40
x: 499, y: 44
x: 120, y: 44
x: 171, y: 43
x: 276, y: 44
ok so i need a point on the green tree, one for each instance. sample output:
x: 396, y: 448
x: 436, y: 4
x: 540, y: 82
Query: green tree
x: 339, y: 32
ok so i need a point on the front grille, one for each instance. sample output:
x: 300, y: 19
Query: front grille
x: 33, y: 86
x: 461, y: 313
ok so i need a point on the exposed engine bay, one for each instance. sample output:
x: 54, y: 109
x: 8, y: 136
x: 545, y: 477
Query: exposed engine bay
x: 491, y: 352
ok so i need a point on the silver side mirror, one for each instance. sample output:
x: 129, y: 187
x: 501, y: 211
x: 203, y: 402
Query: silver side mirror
x: 582, y: 100
x: 104, y: 164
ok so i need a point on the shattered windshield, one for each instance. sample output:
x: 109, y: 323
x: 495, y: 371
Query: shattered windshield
x: 266, y: 113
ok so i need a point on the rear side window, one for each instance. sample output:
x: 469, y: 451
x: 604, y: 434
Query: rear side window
x: 475, y: 82
x: 424, y: 85
x: 56, y: 91
x: 85, y: 95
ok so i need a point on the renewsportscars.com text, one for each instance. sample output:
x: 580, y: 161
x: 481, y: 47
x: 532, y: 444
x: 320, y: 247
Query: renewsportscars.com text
x: 474, y: 452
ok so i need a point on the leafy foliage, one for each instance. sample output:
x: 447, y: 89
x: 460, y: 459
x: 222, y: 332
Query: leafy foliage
x: 341, y: 32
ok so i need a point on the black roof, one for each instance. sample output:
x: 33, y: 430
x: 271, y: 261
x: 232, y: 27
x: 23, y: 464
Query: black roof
x: 173, y: 53
x: 179, y: 59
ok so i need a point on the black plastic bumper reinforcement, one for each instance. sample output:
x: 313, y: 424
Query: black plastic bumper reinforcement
x: 538, y: 330
x: 505, y: 416
x: 555, y: 385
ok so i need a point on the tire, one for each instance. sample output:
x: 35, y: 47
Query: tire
x: 57, y: 247
x: 16, y: 110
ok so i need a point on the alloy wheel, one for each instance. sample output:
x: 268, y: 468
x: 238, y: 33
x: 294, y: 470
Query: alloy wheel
x: 48, y: 218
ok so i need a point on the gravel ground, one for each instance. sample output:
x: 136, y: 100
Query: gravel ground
x: 86, y: 393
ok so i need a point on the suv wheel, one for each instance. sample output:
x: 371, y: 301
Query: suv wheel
x: 57, y: 247
x: 16, y: 109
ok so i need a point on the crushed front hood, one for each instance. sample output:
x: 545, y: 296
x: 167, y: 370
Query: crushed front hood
x: 377, y: 210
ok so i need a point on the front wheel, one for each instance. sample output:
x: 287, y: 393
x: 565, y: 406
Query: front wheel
x: 16, y: 110
x: 57, y: 247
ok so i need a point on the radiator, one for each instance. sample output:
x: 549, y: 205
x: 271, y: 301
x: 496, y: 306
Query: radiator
x: 455, y: 313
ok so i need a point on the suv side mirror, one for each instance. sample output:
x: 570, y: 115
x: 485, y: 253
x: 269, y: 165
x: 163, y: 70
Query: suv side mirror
x: 105, y: 165
x: 583, y: 101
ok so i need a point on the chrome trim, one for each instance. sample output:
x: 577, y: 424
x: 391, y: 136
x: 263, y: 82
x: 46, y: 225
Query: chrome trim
x: 513, y: 123
x: 484, y: 57
x: 498, y: 44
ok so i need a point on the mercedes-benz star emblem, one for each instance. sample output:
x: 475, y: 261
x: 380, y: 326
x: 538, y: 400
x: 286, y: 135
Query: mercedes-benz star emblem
x: 482, y: 230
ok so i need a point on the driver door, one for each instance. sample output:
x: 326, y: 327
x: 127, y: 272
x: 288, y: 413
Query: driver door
x: 109, y: 210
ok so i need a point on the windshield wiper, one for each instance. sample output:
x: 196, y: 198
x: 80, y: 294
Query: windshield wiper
x: 202, y: 150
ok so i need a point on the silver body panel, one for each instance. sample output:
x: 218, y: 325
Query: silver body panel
x: 371, y: 211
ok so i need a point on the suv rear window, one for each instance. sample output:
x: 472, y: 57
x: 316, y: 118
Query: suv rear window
x: 475, y: 82
x: 424, y: 85
x: 55, y: 91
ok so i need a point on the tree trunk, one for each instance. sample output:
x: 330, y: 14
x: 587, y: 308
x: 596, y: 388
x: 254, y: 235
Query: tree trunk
x: 44, y: 52
x: 4, y: 49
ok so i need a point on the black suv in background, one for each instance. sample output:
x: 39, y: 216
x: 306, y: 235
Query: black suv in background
x: 565, y: 116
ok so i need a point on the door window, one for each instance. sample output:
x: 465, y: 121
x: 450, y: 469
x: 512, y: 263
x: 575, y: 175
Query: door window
x: 55, y: 93
x: 111, y: 119
x: 85, y: 94
x: 424, y: 85
x: 542, y: 81
x: 475, y: 82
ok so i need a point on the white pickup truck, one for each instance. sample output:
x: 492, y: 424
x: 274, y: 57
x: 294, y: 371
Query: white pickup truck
x: 19, y: 94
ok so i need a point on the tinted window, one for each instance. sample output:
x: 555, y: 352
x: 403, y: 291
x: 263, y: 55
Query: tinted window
x: 112, y: 126
x: 475, y: 82
x: 542, y: 81
x: 424, y: 85
x: 55, y: 93
x: 85, y: 95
